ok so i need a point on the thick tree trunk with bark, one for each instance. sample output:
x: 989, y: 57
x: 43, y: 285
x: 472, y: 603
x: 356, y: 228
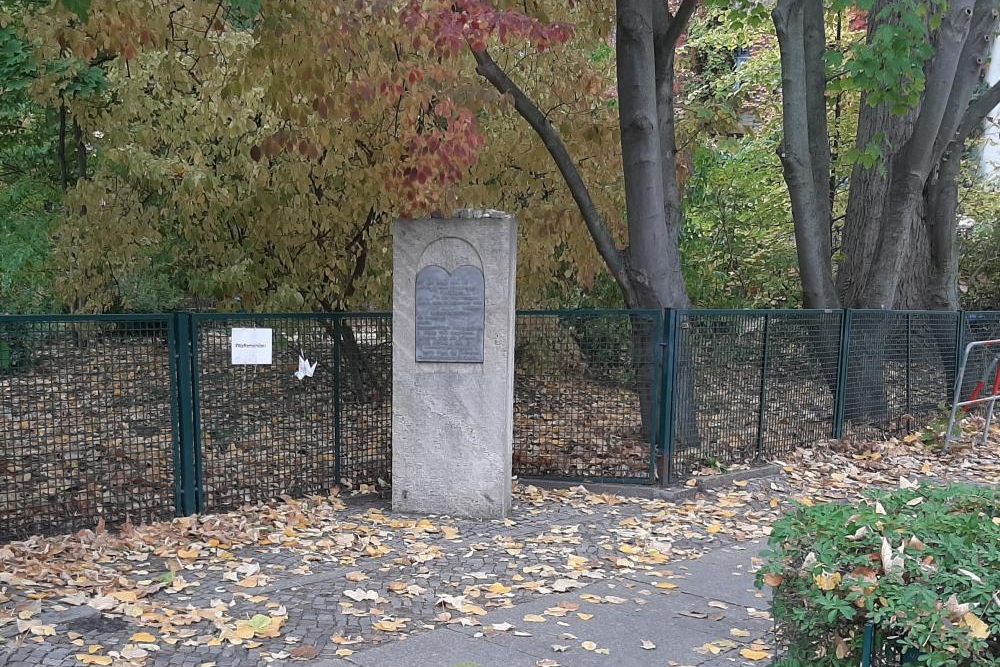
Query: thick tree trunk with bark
x: 941, y: 206
x: 899, y: 241
x: 646, y: 37
x: 805, y: 149
x: 805, y: 158
x: 648, y: 271
x: 652, y: 258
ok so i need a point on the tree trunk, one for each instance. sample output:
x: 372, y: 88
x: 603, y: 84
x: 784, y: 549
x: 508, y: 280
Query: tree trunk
x: 648, y: 271
x: 894, y: 257
x: 647, y: 262
x: 899, y: 236
x: 666, y: 30
x: 805, y: 151
x: 61, y: 162
x: 941, y: 205
x: 645, y: 40
x: 912, y: 165
x: 805, y: 159
x: 647, y: 268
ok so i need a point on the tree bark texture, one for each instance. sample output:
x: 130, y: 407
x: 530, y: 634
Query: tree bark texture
x: 899, y: 235
x: 805, y: 148
x: 646, y: 39
x: 81, y: 151
x: 642, y: 160
x: 666, y: 31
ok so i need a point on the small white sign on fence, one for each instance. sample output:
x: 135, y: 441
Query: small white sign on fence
x: 251, y: 346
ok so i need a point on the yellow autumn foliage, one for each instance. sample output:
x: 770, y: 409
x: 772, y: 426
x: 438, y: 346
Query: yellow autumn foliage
x: 261, y: 162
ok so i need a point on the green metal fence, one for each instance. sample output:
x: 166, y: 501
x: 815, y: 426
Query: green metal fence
x: 750, y: 385
x: 140, y: 417
x: 88, y: 422
x: 261, y: 432
x: 586, y: 394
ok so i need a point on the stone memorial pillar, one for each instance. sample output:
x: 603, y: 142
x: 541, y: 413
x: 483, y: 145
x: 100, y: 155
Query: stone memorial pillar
x: 453, y: 364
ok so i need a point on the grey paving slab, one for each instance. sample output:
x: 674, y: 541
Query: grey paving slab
x: 440, y: 648
x: 724, y: 574
x: 678, y: 624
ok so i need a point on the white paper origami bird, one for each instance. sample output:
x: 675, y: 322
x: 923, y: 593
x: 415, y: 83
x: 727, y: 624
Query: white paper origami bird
x: 305, y: 368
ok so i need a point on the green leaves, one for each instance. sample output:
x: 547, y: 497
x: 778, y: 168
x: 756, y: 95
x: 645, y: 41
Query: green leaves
x: 830, y: 565
x: 868, y: 157
x: 889, y: 67
x: 77, y: 78
x: 242, y: 11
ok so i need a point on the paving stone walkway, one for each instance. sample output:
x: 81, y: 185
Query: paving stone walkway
x: 693, y: 625
x: 596, y: 577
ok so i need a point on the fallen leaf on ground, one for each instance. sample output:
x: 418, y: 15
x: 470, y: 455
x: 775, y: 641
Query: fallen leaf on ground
x: 305, y: 652
x: 754, y: 654
x: 977, y: 628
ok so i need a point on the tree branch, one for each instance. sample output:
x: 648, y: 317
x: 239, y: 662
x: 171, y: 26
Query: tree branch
x: 915, y: 160
x: 81, y: 151
x: 677, y: 25
x: 667, y: 30
x: 974, y: 54
x: 977, y: 112
x: 61, y: 148
x: 912, y: 165
x: 814, y: 46
x: 487, y: 68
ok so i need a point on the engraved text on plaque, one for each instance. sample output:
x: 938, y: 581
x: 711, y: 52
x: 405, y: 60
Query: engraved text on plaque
x: 450, y: 315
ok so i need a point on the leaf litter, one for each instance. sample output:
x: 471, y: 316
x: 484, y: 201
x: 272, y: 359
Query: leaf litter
x: 194, y: 581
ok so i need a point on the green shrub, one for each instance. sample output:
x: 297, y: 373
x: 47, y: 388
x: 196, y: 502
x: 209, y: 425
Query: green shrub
x: 922, y: 564
x: 25, y: 246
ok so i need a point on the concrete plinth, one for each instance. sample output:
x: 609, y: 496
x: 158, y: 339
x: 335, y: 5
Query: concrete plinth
x: 452, y: 410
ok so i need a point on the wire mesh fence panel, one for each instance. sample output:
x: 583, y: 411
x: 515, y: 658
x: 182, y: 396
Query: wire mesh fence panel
x: 365, y: 399
x: 89, y: 418
x: 800, y: 379
x: 717, y: 388
x: 899, y: 367
x: 586, y: 394
x: 86, y: 422
x: 931, y: 363
x: 980, y: 325
x: 981, y: 366
x: 266, y: 429
x: 875, y: 387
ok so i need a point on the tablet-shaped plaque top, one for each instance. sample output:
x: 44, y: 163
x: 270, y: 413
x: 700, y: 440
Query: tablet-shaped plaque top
x: 450, y: 315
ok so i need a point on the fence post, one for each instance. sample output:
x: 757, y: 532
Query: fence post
x: 668, y: 355
x: 843, y: 356
x: 909, y: 370
x: 961, y: 331
x: 186, y: 482
x: 762, y: 399
x: 338, y: 332
x: 868, y: 645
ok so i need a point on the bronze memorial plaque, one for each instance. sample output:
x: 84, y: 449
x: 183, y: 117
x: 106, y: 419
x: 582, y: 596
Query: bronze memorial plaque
x: 450, y: 315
